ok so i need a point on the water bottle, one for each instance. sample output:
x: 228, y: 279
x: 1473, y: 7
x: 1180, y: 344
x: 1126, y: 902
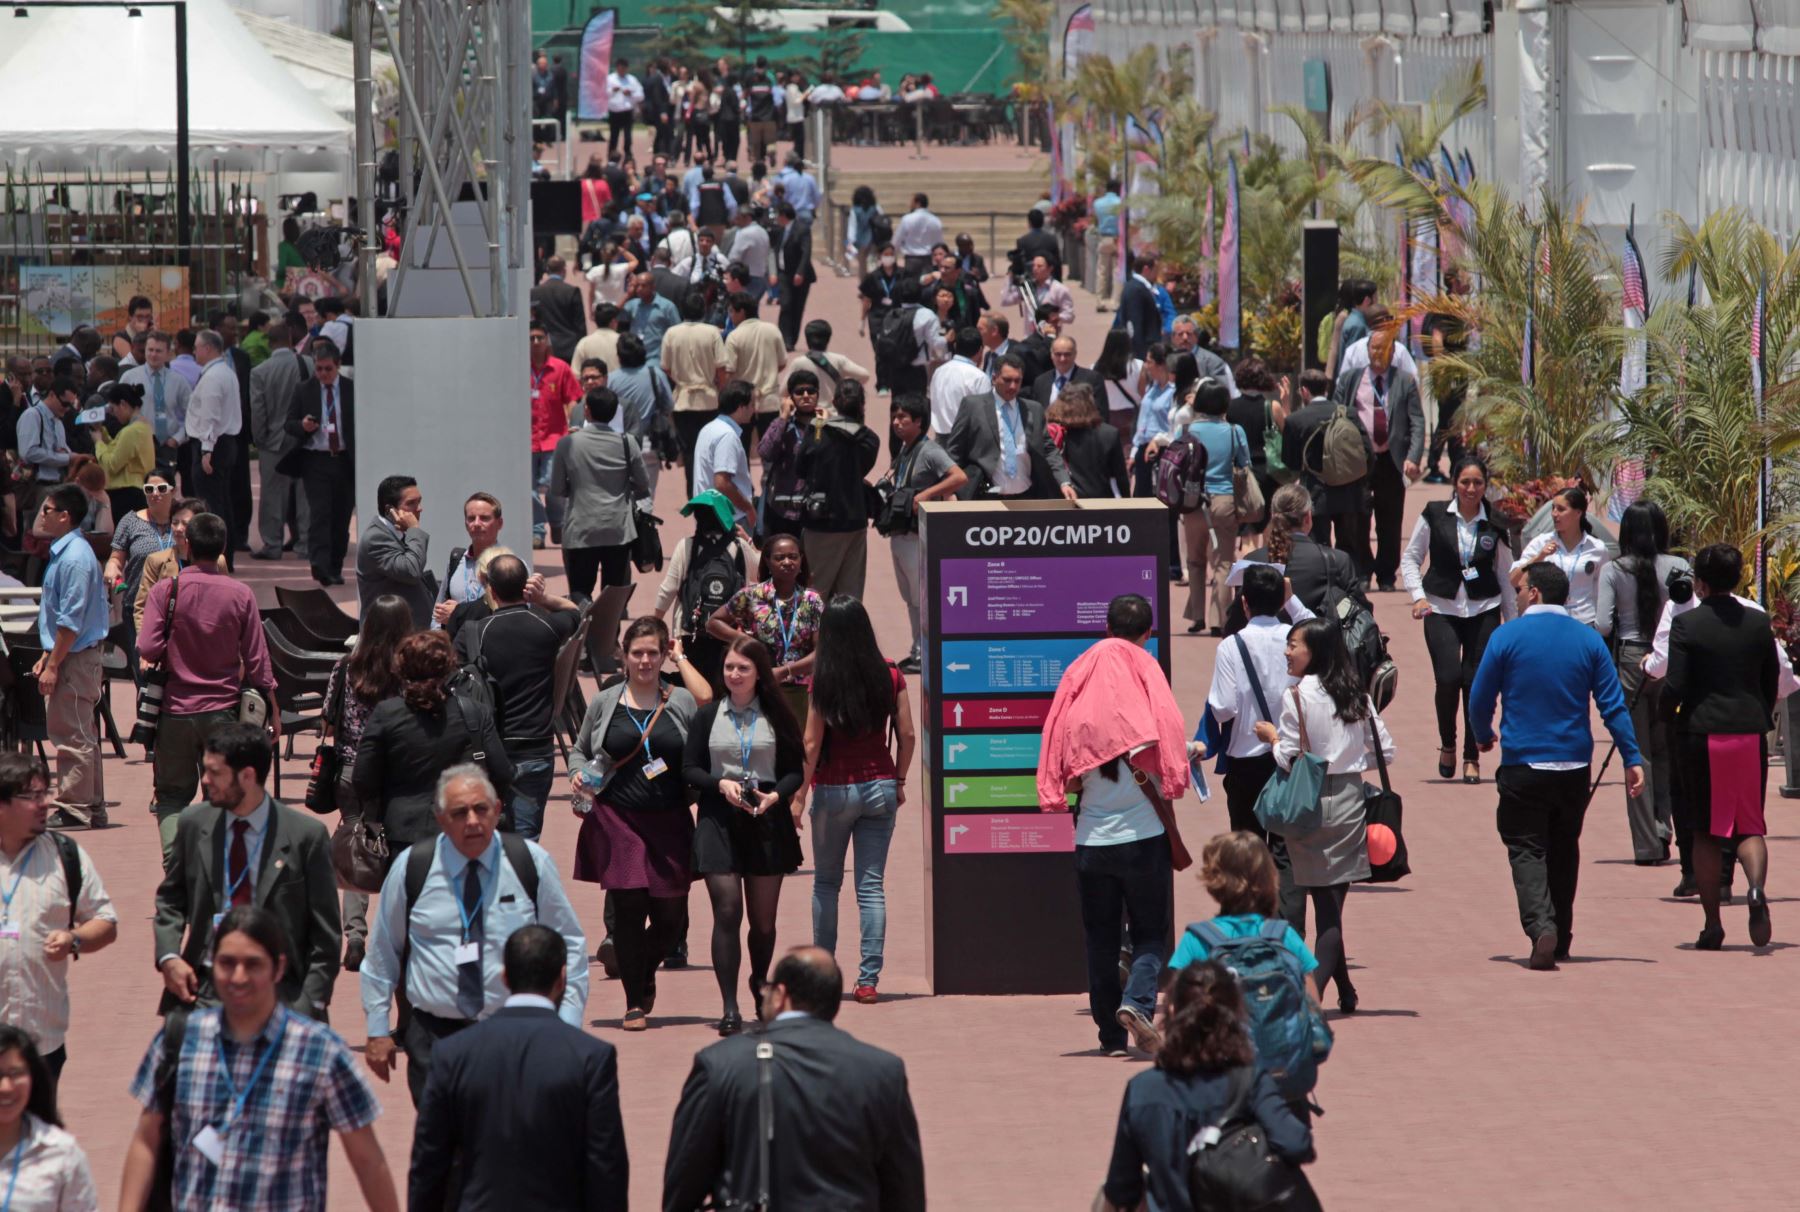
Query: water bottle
x: 583, y: 785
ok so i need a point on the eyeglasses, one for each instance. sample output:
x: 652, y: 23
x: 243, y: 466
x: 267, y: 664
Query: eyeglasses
x: 157, y: 490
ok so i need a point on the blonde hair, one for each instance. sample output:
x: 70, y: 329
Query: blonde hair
x: 1288, y: 511
x: 1239, y: 872
x: 481, y: 566
x: 1074, y: 408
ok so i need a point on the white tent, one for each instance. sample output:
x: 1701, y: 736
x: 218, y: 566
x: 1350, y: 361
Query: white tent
x: 239, y: 98
x: 324, y: 63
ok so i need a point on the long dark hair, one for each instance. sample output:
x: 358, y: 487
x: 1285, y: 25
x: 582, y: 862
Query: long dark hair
x: 1203, y: 1031
x: 852, y: 687
x: 1331, y: 664
x: 1644, y: 535
x: 42, y: 1102
x: 770, y: 700
x: 1115, y: 355
x: 386, y: 622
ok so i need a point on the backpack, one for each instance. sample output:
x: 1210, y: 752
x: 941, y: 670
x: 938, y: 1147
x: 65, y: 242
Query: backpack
x: 1334, y: 452
x: 1368, y: 646
x: 1179, y: 476
x: 1290, y: 1035
x: 895, y: 342
x: 714, y: 576
x: 1231, y: 1167
x: 418, y: 868
x: 474, y: 682
x: 70, y: 853
x: 881, y: 230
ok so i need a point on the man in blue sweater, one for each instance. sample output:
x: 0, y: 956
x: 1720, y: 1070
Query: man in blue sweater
x: 1546, y: 665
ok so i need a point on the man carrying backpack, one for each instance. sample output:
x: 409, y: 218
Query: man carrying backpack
x: 906, y: 340
x: 705, y: 572
x: 1385, y: 401
x: 1333, y: 454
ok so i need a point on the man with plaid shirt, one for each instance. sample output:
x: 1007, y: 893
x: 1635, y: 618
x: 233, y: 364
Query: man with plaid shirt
x: 255, y: 1090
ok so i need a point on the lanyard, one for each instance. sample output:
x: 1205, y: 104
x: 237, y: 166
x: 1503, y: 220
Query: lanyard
x: 786, y: 630
x: 232, y: 885
x: 18, y: 1155
x: 468, y: 915
x: 643, y: 726
x: 746, y: 738
x: 471, y: 582
x: 239, y: 1097
x: 7, y: 896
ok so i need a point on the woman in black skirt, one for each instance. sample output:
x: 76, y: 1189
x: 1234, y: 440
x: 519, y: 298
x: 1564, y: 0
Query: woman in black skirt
x: 745, y: 759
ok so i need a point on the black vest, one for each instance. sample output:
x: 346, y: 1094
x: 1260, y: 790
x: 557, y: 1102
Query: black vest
x: 712, y: 204
x: 1444, y: 574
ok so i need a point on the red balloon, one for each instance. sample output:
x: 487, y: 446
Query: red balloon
x: 1382, y: 845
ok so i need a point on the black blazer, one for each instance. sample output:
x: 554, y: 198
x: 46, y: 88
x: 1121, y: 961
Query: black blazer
x: 793, y: 255
x: 1096, y: 461
x: 1723, y: 672
x: 1139, y: 314
x: 309, y: 401
x: 1315, y: 571
x: 1039, y: 242
x: 403, y: 751
x: 845, y: 1136
x: 528, y: 1108
x: 1040, y: 387
x: 558, y: 307
x: 974, y: 446
x: 294, y: 880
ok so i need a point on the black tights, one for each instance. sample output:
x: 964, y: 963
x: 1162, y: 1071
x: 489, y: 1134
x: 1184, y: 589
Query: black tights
x: 1456, y: 646
x: 1328, y: 917
x: 728, y: 894
x: 644, y: 928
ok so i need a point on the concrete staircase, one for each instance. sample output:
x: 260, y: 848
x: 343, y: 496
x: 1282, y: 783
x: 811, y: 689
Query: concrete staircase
x: 990, y: 205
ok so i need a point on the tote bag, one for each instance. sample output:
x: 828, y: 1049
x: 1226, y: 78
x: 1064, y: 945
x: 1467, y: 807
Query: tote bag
x: 1289, y: 803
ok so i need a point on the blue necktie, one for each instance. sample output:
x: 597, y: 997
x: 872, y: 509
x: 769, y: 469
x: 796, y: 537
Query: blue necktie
x: 1009, y: 438
x: 159, y: 422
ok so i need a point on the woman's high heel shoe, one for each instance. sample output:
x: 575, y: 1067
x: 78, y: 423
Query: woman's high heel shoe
x: 1760, y: 928
x: 1447, y: 763
x: 730, y: 1024
x: 1471, y: 773
x: 1711, y: 939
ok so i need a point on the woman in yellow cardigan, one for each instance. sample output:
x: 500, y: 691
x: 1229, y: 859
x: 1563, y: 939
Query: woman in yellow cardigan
x: 129, y: 455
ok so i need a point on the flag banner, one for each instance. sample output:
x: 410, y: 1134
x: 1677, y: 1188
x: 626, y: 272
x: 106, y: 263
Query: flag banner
x: 1634, y: 302
x: 1207, y: 267
x: 595, y: 65
x: 1423, y: 278
x: 1229, y: 302
x: 1765, y: 473
x: 1528, y: 340
x: 1078, y: 42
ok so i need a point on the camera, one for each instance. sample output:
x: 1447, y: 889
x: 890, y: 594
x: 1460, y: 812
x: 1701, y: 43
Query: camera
x: 150, y: 706
x: 1015, y: 262
x: 1680, y: 584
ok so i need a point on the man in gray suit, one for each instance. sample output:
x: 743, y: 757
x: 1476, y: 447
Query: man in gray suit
x: 1385, y: 401
x: 393, y: 552
x: 243, y: 847
x: 999, y: 439
x: 271, y: 392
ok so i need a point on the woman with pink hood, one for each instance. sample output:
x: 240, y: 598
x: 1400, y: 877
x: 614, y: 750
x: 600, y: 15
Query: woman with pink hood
x: 1115, y: 737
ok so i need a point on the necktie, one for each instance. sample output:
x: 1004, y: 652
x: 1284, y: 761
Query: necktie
x: 1062, y: 381
x: 987, y: 364
x: 1380, y: 435
x: 239, y: 866
x: 159, y: 421
x: 1009, y: 438
x: 332, y: 434
x: 468, y: 976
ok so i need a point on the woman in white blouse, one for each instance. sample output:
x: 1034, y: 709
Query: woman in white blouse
x: 1456, y: 568
x: 1330, y: 716
x: 1572, y: 547
x: 43, y: 1169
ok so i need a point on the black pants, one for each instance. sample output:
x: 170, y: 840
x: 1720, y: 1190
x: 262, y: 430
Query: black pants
x: 215, y: 485
x: 793, y: 311
x: 609, y: 565
x: 1539, y: 819
x: 417, y: 1039
x: 1351, y: 529
x: 907, y: 380
x: 645, y: 929
x: 242, y: 507
x: 1143, y: 484
x: 1456, y: 646
x: 1131, y: 882
x: 662, y: 134
x: 330, y: 483
x: 1688, y: 800
x: 618, y: 132
x: 1387, y: 504
x: 1447, y: 432
x: 729, y: 137
x: 1243, y: 783
x: 687, y: 431
x: 54, y: 1061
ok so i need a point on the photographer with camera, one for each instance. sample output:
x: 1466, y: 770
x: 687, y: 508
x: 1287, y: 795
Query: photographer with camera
x: 1035, y: 287
x: 835, y: 457
x: 784, y: 489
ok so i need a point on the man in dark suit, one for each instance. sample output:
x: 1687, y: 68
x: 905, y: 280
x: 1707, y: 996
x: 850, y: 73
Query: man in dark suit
x: 1335, y: 507
x: 1063, y: 371
x: 523, y: 1108
x: 1385, y: 402
x: 1036, y: 242
x: 1138, y: 312
x: 322, y: 421
x: 842, y: 1132
x: 558, y: 305
x: 794, y: 270
x: 241, y: 847
x: 394, y: 554
x: 977, y: 445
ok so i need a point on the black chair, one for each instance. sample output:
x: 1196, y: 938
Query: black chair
x: 317, y: 664
x: 299, y: 697
x: 565, y: 688
x: 321, y: 615
x: 604, y: 616
x: 298, y: 635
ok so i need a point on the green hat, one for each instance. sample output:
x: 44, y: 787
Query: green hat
x: 716, y: 501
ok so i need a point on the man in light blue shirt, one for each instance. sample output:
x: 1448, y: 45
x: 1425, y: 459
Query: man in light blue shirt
x: 447, y: 940
x: 651, y: 315
x: 799, y: 187
x: 72, y: 623
x: 721, y: 461
x: 1106, y: 248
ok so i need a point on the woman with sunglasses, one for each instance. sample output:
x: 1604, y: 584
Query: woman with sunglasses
x: 139, y: 534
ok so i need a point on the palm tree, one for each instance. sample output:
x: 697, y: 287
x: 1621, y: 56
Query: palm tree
x: 1025, y: 24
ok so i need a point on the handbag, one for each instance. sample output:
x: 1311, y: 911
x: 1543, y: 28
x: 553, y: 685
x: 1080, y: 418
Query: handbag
x: 1289, y: 803
x: 328, y: 759
x: 153, y: 682
x: 646, y: 548
x: 360, y: 855
x: 1246, y: 493
x: 1381, y: 806
x: 1231, y: 1167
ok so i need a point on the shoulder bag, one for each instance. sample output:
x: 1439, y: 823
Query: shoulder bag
x: 1246, y: 493
x: 154, y: 681
x: 1381, y: 806
x: 328, y: 759
x: 1289, y: 803
x: 1279, y: 471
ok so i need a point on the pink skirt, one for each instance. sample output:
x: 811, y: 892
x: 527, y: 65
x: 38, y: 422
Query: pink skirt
x: 622, y: 849
x: 1736, y: 770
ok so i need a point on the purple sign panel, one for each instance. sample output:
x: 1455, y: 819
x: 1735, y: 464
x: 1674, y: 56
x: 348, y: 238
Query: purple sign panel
x: 1068, y: 593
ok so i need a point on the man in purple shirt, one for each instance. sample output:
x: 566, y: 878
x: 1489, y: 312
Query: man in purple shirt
x: 203, y: 627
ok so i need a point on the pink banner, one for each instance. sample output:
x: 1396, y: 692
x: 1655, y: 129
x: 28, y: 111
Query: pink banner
x: 1229, y: 303
x: 595, y: 66
x: 1009, y: 833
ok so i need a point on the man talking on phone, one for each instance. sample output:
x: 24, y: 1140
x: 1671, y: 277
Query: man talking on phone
x: 394, y: 554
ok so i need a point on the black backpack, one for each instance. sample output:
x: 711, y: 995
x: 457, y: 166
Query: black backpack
x: 895, y: 342
x: 881, y: 229
x: 70, y: 854
x: 1231, y: 1167
x: 715, y: 574
x: 1368, y: 646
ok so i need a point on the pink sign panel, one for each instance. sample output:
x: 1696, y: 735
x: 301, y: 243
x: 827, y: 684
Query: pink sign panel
x: 995, y: 713
x: 1009, y: 833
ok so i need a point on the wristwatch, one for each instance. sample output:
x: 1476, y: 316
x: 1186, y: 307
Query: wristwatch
x: 74, y: 945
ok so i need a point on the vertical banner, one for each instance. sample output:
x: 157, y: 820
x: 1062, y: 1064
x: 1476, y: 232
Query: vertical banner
x: 1634, y: 300
x: 1206, y: 251
x: 1229, y: 301
x: 1078, y: 43
x: 1765, y: 471
x: 594, y: 66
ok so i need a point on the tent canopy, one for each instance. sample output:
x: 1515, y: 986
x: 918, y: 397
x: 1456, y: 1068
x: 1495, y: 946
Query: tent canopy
x: 325, y: 64
x: 238, y: 95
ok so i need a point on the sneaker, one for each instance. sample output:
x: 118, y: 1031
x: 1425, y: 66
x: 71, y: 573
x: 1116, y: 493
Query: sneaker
x: 1118, y: 1053
x: 1436, y: 477
x: 1143, y: 1032
x: 866, y: 995
x: 537, y: 544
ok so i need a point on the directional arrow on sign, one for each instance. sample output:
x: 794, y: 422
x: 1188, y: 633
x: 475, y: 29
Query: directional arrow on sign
x: 959, y: 595
x: 955, y: 749
x: 958, y: 714
x: 957, y: 831
x: 956, y: 667
x: 954, y: 790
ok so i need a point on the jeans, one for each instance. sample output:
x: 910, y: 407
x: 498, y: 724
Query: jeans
x: 531, y: 791
x: 1132, y: 879
x: 543, y: 505
x: 863, y: 813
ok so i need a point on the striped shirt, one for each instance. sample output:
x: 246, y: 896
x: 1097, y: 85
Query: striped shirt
x: 274, y: 1152
x: 53, y: 1173
x: 34, y: 989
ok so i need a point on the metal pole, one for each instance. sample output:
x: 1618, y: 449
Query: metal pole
x: 364, y: 94
x: 184, y: 218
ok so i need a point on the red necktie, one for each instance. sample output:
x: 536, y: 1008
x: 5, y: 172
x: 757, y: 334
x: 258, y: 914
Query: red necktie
x: 239, y: 864
x: 1381, y: 418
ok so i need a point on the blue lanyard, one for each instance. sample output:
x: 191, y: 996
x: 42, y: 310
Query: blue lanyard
x: 7, y: 896
x: 786, y: 630
x: 643, y: 726
x: 239, y: 1097
x: 746, y: 739
x: 18, y: 1154
x: 468, y: 916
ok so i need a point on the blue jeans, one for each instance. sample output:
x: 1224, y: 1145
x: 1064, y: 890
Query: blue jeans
x: 531, y: 791
x: 863, y: 813
x: 1132, y: 880
x: 544, y: 507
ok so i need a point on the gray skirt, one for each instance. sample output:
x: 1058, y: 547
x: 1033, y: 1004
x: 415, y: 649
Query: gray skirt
x: 1337, y: 852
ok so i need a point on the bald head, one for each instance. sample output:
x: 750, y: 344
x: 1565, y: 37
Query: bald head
x: 806, y: 979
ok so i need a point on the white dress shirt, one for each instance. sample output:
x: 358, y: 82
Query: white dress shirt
x: 623, y: 93
x: 53, y: 1173
x: 170, y: 421
x: 1656, y: 663
x: 1461, y: 606
x: 927, y: 337
x: 916, y: 232
x: 1582, y: 564
x: 33, y: 988
x: 216, y: 409
x: 1357, y: 356
x: 951, y: 383
x: 1344, y: 747
x: 331, y: 419
x: 1232, y: 697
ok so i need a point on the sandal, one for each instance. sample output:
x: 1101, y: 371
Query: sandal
x: 1447, y: 763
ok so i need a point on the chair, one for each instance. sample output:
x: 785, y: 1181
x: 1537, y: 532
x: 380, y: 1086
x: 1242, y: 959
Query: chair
x: 316, y: 664
x: 298, y: 635
x: 567, y: 706
x: 604, y: 616
x: 322, y: 616
x: 299, y: 696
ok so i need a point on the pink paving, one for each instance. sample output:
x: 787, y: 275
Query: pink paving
x: 1464, y: 1082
